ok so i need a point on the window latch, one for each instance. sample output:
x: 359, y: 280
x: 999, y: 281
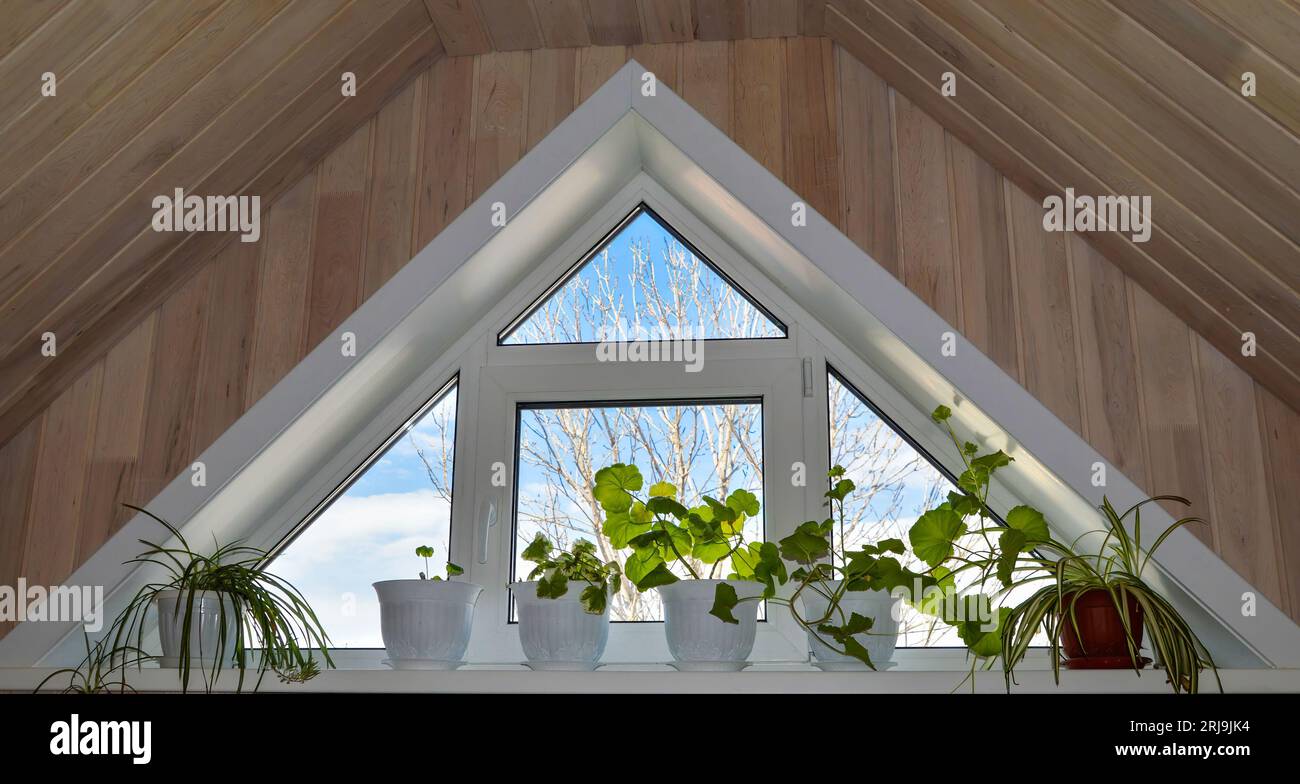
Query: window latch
x: 807, y: 377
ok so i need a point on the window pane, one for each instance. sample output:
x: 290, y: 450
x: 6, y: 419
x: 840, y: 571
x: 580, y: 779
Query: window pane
x: 704, y: 448
x: 369, y: 533
x: 643, y: 283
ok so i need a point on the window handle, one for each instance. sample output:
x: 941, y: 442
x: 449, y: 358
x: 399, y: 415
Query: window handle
x: 487, y: 520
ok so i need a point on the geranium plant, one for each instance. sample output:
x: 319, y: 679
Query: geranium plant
x: 662, y: 532
x: 426, y: 552
x: 556, y: 568
x: 822, y: 566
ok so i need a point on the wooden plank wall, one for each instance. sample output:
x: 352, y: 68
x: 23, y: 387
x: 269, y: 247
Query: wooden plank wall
x: 1149, y: 393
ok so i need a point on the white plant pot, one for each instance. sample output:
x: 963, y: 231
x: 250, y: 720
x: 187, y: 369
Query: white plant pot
x: 206, y: 625
x: 557, y: 634
x: 699, y: 641
x: 880, y: 642
x: 426, y: 623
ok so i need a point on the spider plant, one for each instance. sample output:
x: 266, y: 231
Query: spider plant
x: 1116, y: 568
x: 1020, y: 551
x: 100, y: 672
x: 270, y: 615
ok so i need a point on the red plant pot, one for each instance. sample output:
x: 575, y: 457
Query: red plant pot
x: 1100, y: 642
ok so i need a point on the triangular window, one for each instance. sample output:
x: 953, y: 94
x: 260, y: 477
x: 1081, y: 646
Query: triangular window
x: 643, y: 281
x: 398, y: 499
x: 896, y: 481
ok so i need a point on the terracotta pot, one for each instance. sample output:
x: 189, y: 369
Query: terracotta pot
x: 1100, y: 641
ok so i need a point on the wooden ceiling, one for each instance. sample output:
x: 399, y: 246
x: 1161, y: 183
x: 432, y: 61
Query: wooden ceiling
x: 1137, y: 97
x: 1131, y: 97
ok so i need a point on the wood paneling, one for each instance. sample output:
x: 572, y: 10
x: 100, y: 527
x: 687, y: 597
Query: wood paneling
x: 1057, y: 313
x: 115, y: 455
x: 1282, y: 445
x: 1242, y: 516
x: 1046, y: 309
x: 929, y: 256
x: 282, y: 291
x: 868, y: 162
x: 17, y: 478
x: 100, y: 266
x: 1054, y: 109
x: 987, y: 296
x: 67, y: 435
x: 444, y: 175
x: 1108, y: 363
x: 1168, y: 379
x: 500, y: 112
x: 394, y: 162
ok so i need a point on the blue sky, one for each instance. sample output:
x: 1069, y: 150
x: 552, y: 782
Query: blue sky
x: 627, y: 291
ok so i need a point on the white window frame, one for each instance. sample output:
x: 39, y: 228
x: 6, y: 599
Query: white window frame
x: 495, y: 379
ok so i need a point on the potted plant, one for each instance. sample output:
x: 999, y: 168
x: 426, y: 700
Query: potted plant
x: 426, y: 622
x: 663, y: 533
x: 216, y: 611
x: 101, y: 671
x: 562, y: 628
x: 1093, y: 606
x: 844, y: 600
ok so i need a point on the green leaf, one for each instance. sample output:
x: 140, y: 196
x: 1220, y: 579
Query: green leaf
x: 941, y: 414
x: 615, y: 485
x: 594, y: 599
x: 933, y: 534
x: 807, y: 544
x: 1010, y: 545
x: 552, y: 585
x: 660, y: 575
x: 537, y: 550
x: 1030, y: 522
x: 841, y: 490
x: 661, y: 505
x: 964, y: 504
x: 620, y: 528
x: 858, y: 651
x: 663, y: 490
x: 424, y: 551
x: 640, y: 563
x: 724, y: 601
x: 993, y: 460
x: 743, y: 502
x: 453, y: 570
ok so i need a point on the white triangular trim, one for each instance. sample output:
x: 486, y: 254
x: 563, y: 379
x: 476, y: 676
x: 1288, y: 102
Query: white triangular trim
x: 409, y: 327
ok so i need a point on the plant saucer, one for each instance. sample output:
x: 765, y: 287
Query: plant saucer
x: 422, y: 664
x: 561, y: 666
x: 850, y: 666
x: 708, y: 666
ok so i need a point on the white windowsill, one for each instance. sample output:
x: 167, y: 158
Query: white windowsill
x: 792, y: 678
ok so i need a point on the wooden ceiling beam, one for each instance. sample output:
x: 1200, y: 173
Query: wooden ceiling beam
x: 1037, y: 165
